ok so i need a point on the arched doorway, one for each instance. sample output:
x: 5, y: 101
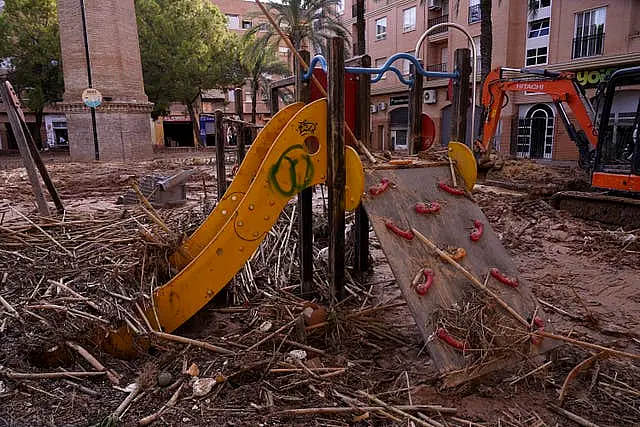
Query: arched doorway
x: 399, y: 125
x: 535, y: 133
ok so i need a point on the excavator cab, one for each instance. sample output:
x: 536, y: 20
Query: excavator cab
x: 617, y: 162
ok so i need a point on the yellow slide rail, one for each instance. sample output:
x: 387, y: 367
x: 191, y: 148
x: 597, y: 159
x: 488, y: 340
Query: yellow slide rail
x: 296, y: 160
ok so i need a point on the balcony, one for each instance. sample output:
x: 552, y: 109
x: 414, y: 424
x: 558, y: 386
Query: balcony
x: 474, y: 14
x: 588, y: 46
x: 440, y: 68
x: 438, y: 20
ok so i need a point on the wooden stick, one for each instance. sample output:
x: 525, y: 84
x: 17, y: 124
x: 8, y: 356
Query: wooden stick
x: 395, y: 409
x: 573, y: 417
x: 471, y: 277
x: 290, y: 370
x: 528, y: 374
x: 587, y: 345
x: 113, y: 377
x: 42, y: 231
x: 74, y: 293
x: 315, y: 81
x: 70, y: 310
x: 201, y: 344
x: 153, y: 417
x: 51, y: 375
x: 268, y: 337
x: 9, y: 307
x: 576, y: 370
x: 342, y: 410
x: 127, y: 401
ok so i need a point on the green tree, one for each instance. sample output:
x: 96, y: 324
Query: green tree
x: 30, y: 43
x: 259, y: 58
x: 185, y: 48
x: 308, y: 23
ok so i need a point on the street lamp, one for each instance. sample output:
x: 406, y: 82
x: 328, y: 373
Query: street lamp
x: 89, y: 79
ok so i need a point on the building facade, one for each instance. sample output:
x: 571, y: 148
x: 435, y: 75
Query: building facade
x: 176, y: 129
x: 591, y: 38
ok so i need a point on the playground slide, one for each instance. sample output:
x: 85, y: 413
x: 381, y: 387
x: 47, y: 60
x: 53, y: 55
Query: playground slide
x: 238, y: 188
x: 296, y: 160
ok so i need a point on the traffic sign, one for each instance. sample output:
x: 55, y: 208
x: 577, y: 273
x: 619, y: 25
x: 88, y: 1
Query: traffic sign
x: 92, y: 98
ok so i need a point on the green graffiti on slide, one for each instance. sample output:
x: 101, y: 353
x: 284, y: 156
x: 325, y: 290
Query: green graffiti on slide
x: 291, y: 158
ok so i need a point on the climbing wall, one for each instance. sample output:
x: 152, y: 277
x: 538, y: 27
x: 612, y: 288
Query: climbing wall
x: 466, y: 332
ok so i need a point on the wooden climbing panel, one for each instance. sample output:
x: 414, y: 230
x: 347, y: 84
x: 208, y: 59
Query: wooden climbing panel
x: 452, y: 313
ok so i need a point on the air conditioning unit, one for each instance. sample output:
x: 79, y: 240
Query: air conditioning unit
x: 382, y: 106
x: 430, y: 96
x: 374, y: 108
x: 434, y: 4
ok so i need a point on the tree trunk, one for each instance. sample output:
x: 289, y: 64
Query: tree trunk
x: 254, y: 99
x: 486, y: 39
x: 37, y: 135
x: 194, y: 121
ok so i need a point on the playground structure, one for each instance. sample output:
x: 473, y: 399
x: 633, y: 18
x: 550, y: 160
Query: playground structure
x: 420, y: 210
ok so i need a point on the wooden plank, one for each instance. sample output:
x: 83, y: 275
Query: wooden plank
x: 221, y: 173
x: 363, y: 123
x: 241, y: 134
x: 336, y: 174
x: 415, y: 111
x: 460, y: 102
x: 305, y: 197
x: 21, y: 139
x: 450, y: 227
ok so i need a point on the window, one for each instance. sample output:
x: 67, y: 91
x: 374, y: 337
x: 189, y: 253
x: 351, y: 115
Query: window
x: 340, y: 7
x: 536, y: 56
x: 381, y: 28
x: 379, y: 63
x: 539, y: 28
x: 406, y: 66
x: 234, y: 21
x: 284, y: 51
x: 231, y: 95
x: 537, y: 4
x: 589, y: 33
x: 263, y: 26
x: 474, y: 11
x: 246, y: 25
x: 409, y: 19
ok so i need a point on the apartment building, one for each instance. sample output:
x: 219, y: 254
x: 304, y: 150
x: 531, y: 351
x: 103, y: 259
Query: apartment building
x: 591, y: 38
x: 176, y: 128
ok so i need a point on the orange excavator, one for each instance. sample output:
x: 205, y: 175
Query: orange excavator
x: 608, y: 144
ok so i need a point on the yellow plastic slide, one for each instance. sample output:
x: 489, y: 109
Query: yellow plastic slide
x: 296, y: 160
x: 236, y: 191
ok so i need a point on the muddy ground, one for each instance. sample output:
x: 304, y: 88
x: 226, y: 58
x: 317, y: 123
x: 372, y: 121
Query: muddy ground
x: 585, y: 274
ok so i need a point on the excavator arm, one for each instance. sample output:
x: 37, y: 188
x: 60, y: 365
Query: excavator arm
x: 563, y: 89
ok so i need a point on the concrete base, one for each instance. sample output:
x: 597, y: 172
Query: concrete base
x: 124, y: 132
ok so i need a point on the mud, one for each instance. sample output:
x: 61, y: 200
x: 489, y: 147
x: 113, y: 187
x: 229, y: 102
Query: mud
x: 586, y: 273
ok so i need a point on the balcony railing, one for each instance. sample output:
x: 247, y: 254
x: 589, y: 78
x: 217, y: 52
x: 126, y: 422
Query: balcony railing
x: 441, y: 68
x: 588, y: 46
x: 474, y: 13
x: 438, y: 20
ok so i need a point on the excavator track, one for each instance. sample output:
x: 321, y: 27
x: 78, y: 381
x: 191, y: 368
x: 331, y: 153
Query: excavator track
x: 601, y: 207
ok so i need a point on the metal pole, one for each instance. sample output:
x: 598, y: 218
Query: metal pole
x: 336, y: 174
x: 89, y: 79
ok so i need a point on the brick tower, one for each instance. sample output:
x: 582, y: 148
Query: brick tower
x: 122, y: 121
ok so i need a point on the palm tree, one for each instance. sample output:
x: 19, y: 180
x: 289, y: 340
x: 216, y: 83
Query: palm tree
x: 260, y: 62
x: 308, y: 23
